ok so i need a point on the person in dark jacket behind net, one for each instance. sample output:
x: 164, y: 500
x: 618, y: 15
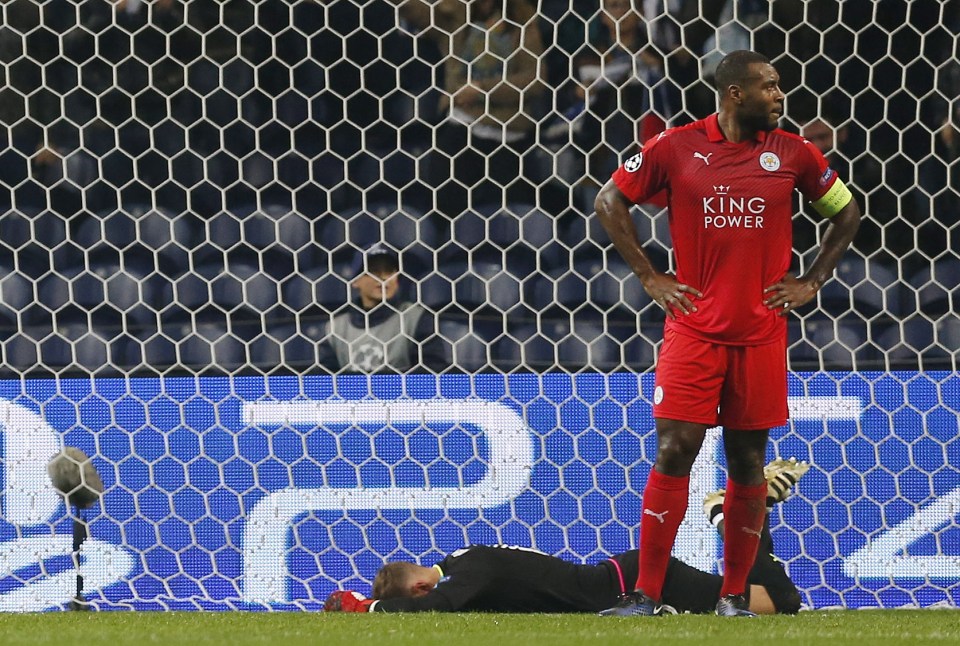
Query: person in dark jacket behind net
x: 517, y: 580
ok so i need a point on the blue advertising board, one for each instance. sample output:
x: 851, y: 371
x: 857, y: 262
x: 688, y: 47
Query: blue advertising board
x: 270, y: 492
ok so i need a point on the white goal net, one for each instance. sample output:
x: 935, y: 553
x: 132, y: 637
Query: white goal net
x: 194, y: 191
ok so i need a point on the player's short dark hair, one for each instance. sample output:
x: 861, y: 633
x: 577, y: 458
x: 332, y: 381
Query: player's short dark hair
x: 392, y: 581
x: 734, y: 69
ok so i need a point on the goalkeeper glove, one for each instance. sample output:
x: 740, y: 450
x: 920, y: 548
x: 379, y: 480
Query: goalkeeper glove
x: 347, y: 601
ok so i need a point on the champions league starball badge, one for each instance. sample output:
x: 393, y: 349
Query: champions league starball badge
x: 633, y: 164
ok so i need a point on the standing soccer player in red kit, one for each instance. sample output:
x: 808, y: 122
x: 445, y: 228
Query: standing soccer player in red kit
x: 730, y: 180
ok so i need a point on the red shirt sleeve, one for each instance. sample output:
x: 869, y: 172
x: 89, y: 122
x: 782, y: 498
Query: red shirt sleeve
x: 645, y: 174
x: 814, y: 175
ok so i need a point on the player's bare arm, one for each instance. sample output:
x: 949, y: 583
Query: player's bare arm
x: 790, y: 292
x: 613, y: 209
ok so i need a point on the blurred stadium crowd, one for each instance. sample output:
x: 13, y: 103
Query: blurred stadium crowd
x: 185, y: 182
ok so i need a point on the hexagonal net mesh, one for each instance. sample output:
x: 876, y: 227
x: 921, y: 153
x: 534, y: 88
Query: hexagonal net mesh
x: 198, y: 187
x: 187, y: 183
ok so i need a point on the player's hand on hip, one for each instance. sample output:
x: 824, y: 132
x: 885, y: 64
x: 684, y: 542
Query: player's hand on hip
x: 347, y: 601
x: 673, y: 296
x: 788, y: 294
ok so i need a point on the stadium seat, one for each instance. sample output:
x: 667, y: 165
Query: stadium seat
x: 560, y: 287
x: 612, y: 284
x: 584, y: 345
x: 469, y: 230
x: 506, y: 353
x: 24, y: 250
x: 363, y: 169
x: 21, y: 353
x: 157, y: 351
x: 95, y: 351
x: 470, y: 291
x: 492, y: 287
x: 55, y: 294
x: 317, y: 287
x: 55, y: 350
x: 266, y: 353
x: 75, y: 345
x: 280, y: 238
x: 434, y: 291
x: 538, y: 230
x: 921, y: 334
x: 905, y: 341
x: 601, y: 344
x: 206, y: 345
x: 331, y: 236
x: 26, y: 241
x: 16, y: 296
x: 519, y: 222
x: 399, y: 167
x: 637, y: 340
x: 404, y: 228
x: 115, y: 228
x: 863, y: 285
x: 300, y: 343
x: 244, y: 286
x: 226, y: 287
x: 124, y: 293
x: 948, y: 333
x: 833, y: 345
x: 538, y: 353
x: 493, y: 235
x: 572, y: 232
x: 468, y: 350
x: 653, y: 229
x: 930, y: 289
x: 193, y: 290
x: 138, y: 237
x: 16, y: 230
x: 224, y: 237
x: 520, y: 230
x: 170, y: 237
x: 573, y: 350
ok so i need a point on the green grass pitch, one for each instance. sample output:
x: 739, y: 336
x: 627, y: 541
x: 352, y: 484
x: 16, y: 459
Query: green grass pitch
x: 833, y: 628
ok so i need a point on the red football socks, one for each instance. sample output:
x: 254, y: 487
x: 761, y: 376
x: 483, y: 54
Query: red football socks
x: 664, y: 505
x: 743, y: 510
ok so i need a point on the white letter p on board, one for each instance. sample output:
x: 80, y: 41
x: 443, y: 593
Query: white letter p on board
x: 270, y: 520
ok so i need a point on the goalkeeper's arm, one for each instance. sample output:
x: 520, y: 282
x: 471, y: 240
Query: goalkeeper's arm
x: 347, y: 601
x: 351, y: 601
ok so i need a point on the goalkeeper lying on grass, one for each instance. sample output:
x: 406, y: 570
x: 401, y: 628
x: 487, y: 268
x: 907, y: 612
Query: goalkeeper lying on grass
x: 516, y: 579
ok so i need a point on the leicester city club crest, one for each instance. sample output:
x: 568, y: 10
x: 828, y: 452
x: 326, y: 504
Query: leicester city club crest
x: 769, y: 161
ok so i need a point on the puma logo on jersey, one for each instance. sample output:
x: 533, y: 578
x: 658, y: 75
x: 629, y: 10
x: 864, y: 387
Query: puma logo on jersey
x: 750, y: 530
x: 705, y: 158
x: 650, y: 512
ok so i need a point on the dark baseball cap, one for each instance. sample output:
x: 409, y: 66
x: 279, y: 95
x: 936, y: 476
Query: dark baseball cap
x: 377, y: 258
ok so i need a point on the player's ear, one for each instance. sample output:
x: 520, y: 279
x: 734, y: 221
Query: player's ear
x: 735, y: 92
x: 420, y: 587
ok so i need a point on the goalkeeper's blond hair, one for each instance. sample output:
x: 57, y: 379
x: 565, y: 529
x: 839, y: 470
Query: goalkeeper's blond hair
x: 393, y: 580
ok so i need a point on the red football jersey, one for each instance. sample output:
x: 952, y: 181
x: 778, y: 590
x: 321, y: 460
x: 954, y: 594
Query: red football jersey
x: 730, y: 216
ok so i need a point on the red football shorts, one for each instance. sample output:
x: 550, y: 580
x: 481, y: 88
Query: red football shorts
x: 738, y: 387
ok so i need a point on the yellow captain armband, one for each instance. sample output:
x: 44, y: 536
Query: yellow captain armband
x: 833, y: 200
